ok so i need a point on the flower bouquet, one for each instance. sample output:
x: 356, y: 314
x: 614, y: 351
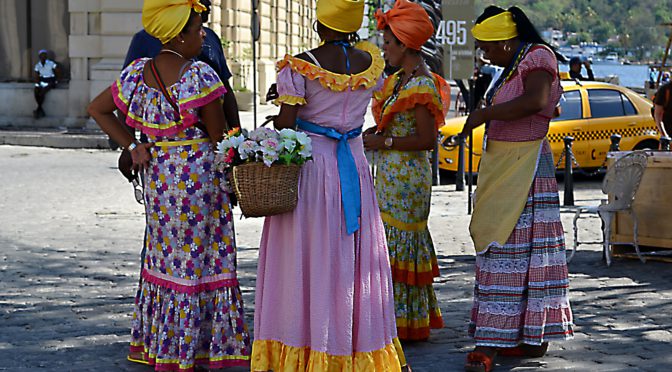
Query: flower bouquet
x: 264, y: 166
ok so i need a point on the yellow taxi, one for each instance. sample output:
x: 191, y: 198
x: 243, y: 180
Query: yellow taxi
x: 590, y: 113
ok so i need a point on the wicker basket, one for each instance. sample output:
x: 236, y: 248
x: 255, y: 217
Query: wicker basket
x: 266, y: 191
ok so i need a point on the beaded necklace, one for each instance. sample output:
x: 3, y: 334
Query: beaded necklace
x: 397, y: 88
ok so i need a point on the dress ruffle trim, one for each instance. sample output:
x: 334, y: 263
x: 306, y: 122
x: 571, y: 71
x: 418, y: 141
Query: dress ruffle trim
x: 407, y: 100
x: 289, y: 100
x: 418, y: 329
x: 274, y: 355
x: 189, y: 286
x: 412, y: 273
x: 139, y: 354
x: 416, y: 272
x: 169, y: 128
x: 339, y: 82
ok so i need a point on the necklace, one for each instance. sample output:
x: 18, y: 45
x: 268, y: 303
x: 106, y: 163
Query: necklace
x: 397, y: 88
x: 172, y: 51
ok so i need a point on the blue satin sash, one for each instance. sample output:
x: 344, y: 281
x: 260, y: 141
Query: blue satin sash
x: 347, y: 171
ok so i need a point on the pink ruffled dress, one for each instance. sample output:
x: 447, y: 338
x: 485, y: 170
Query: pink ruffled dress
x: 324, y: 299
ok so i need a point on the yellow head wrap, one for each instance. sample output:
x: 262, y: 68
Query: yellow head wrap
x: 341, y: 15
x: 496, y: 28
x: 165, y: 19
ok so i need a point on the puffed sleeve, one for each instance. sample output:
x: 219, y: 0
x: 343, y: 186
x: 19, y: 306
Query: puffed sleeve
x: 124, y: 87
x: 539, y: 59
x: 291, y: 87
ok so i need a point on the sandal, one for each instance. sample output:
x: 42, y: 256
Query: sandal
x: 478, y: 362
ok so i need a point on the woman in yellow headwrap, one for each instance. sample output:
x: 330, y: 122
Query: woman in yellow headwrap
x: 188, y: 310
x: 521, y: 289
x: 324, y: 298
x: 408, y: 111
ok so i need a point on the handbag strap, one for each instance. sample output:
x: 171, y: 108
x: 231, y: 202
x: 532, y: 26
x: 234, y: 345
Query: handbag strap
x: 162, y: 86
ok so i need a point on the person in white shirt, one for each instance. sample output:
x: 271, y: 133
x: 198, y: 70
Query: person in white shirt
x: 46, y: 75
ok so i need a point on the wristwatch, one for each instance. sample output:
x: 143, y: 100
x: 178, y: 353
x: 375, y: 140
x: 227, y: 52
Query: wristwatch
x: 388, y: 142
x: 132, y: 146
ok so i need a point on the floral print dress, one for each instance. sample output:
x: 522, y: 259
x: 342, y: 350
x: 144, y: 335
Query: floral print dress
x: 403, y: 188
x: 188, y: 309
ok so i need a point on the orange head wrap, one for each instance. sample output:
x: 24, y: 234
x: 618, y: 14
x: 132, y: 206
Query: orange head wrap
x: 409, y: 23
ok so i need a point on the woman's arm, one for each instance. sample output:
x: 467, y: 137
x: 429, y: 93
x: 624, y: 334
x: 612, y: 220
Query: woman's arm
x: 287, y: 117
x: 533, y: 100
x: 212, y: 115
x: 658, y: 112
x: 423, y: 139
x: 101, y: 110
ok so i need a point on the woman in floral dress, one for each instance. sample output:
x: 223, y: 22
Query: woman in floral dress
x: 408, y: 111
x: 188, y: 310
x: 324, y: 298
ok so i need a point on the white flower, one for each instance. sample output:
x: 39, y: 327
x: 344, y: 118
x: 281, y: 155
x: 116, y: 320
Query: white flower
x: 289, y: 144
x: 271, y: 145
x: 263, y: 133
x: 224, y: 145
x: 248, y: 149
x: 270, y: 158
x: 236, y: 141
x: 306, y: 150
x: 288, y: 134
x: 302, y: 138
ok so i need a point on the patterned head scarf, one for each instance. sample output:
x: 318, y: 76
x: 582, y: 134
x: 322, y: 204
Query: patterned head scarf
x: 496, y: 28
x: 409, y: 23
x: 341, y: 15
x: 165, y: 19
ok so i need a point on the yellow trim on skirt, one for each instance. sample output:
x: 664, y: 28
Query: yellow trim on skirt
x: 274, y: 355
x: 405, y: 226
x: 504, y: 180
x: 181, y: 143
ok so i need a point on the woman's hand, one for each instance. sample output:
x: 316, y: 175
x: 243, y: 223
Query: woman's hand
x: 475, y: 119
x: 371, y: 130
x: 141, y: 156
x: 374, y: 141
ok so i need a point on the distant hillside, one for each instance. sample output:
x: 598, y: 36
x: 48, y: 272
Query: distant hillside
x: 635, y: 22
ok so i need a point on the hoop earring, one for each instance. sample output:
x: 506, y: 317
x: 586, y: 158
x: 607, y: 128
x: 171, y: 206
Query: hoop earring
x: 507, y: 47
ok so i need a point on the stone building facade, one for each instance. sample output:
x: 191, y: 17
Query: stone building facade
x: 90, y: 38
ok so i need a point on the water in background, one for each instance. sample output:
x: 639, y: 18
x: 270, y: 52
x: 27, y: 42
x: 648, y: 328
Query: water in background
x: 629, y: 75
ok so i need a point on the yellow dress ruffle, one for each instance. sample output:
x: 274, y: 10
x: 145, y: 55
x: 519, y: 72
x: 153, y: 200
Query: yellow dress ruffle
x: 289, y: 100
x: 272, y: 355
x: 339, y: 82
x: 407, y: 100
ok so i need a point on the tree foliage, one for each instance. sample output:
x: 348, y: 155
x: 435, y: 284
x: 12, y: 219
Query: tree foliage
x: 636, y: 24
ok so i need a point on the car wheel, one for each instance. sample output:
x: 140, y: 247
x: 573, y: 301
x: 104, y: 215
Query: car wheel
x: 647, y: 145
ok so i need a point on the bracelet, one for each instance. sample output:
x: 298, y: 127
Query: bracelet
x: 132, y: 146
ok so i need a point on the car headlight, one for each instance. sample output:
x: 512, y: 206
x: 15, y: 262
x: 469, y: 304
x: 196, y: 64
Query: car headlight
x: 450, y: 141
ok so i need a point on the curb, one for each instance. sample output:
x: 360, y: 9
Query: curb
x: 60, y: 140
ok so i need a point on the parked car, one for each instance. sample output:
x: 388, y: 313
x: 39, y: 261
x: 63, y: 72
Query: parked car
x: 590, y: 113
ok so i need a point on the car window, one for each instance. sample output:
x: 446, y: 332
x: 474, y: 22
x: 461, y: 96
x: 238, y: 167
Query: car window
x: 570, y: 106
x: 628, y: 106
x: 605, y: 103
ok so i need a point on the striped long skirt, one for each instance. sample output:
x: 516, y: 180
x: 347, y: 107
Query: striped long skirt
x: 521, y: 288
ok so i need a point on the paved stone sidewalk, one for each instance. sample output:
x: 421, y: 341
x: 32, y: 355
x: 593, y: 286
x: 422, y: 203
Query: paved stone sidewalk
x: 70, y: 234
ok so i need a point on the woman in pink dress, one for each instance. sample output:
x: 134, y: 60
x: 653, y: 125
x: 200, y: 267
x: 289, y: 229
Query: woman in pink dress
x: 324, y: 298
